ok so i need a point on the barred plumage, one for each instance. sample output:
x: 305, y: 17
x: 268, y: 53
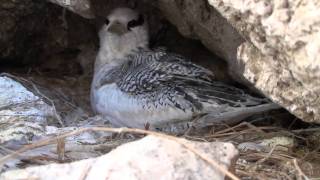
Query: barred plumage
x: 134, y: 85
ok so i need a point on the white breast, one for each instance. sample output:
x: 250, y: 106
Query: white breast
x: 122, y: 109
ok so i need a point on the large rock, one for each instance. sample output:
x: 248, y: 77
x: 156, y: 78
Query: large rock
x: 281, y: 57
x: 285, y: 65
x: 151, y: 157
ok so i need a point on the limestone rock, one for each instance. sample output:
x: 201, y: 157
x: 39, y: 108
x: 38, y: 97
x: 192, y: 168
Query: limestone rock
x: 150, y: 157
x: 281, y: 57
x: 23, y: 115
x: 197, y: 19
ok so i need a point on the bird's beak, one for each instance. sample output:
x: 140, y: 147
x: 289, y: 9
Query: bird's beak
x: 117, y: 28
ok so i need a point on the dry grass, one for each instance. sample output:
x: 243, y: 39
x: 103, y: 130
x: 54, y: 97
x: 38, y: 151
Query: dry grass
x: 298, y: 162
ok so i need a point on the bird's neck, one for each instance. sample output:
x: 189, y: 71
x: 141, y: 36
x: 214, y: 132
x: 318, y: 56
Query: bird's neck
x: 114, y: 50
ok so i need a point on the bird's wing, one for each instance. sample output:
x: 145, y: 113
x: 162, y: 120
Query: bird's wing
x: 172, y: 80
x: 171, y: 63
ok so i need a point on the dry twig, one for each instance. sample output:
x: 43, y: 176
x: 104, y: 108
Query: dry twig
x: 301, y: 174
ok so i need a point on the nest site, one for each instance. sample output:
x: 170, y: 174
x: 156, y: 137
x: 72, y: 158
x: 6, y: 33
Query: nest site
x: 61, y: 77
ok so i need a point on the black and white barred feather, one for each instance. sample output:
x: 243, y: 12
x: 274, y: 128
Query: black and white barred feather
x: 160, y: 78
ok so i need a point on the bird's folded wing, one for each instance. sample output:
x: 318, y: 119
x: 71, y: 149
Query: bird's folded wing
x: 170, y: 78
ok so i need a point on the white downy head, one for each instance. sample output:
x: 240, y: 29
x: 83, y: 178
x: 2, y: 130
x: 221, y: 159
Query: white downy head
x: 124, y: 31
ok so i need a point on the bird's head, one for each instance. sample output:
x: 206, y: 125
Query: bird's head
x: 124, y: 30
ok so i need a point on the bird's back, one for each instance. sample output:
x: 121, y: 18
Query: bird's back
x: 160, y: 87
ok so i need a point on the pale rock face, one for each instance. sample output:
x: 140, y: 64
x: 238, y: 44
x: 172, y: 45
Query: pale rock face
x: 281, y: 57
x: 80, y: 7
x: 198, y: 20
x: 150, y: 157
x: 23, y: 115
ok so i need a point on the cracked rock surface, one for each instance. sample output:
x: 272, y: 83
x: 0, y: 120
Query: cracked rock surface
x: 281, y: 55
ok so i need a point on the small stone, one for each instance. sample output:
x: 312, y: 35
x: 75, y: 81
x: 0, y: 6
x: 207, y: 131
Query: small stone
x: 279, y: 143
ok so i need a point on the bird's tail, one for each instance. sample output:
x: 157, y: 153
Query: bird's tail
x: 234, y: 116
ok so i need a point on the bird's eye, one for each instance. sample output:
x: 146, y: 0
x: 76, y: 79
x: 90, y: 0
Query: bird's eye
x: 106, y: 21
x: 135, y: 23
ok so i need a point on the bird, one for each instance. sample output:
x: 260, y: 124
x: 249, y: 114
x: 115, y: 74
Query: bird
x: 135, y: 86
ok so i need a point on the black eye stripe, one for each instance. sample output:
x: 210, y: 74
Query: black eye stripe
x: 106, y: 21
x: 134, y: 23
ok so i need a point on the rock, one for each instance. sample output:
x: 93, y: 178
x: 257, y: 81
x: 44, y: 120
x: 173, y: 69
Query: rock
x: 198, y: 20
x: 25, y: 119
x: 81, y: 7
x: 86, y: 145
x: 280, y: 143
x: 151, y: 156
x: 281, y: 57
x: 21, y: 28
x: 39, y: 32
x: 23, y: 115
x: 250, y: 146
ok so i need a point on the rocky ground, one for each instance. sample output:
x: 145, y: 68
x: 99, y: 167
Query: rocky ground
x: 273, y: 145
